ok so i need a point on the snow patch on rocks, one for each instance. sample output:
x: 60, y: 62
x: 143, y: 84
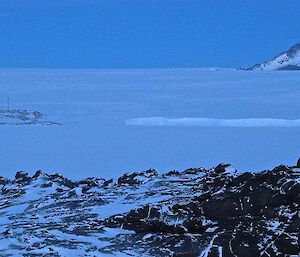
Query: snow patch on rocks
x: 195, y: 212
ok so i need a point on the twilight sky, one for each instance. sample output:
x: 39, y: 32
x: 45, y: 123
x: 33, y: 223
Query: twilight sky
x: 145, y: 33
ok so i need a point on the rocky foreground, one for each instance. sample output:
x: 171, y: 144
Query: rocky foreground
x: 197, y: 212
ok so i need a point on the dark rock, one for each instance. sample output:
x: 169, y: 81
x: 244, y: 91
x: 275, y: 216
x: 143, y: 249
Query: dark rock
x: 22, y: 177
x: 193, y: 212
x: 154, y: 226
x: 145, y: 212
x: 281, y: 168
x: 172, y: 173
x: 298, y: 163
x: 85, y: 189
x: 135, y: 217
x: 136, y: 178
x: 90, y: 182
x: 222, y: 208
x: 193, y: 170
x: 37, y: 174
x: 203, y: 197
x: 288, y: 245
x: 242, y: 179
x: 4, y: 181
x: 214, y: 251
x: 261, y: 197
x: 191, y: 208
x: 61, y: 180
x: 244, y: 244
x: 56, y: 176
x: 107, y: 182
x: 129, y: 179
x: 221, y: 168
x: 293, y: 193
x: 194, y: 225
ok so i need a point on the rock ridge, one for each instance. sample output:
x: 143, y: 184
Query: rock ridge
x: 195, y: 212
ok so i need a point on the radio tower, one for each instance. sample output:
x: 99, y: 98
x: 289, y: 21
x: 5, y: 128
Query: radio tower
x: 8, y: 104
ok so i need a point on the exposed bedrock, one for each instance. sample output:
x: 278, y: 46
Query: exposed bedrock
x: 196, y: 212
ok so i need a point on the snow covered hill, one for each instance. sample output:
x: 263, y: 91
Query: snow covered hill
x: 289, y: 60
x: 197, y: 213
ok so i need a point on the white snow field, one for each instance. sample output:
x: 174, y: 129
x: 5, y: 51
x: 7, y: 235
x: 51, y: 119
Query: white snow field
x: 96, y: 109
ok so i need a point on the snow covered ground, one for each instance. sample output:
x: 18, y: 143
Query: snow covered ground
x: 95, y: 106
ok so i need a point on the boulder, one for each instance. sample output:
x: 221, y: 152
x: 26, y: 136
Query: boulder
x: 221, y: 167
x: 194, y: 225
x: 22, y: 177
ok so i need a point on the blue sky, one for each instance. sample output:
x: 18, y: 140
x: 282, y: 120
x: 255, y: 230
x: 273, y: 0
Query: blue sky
x: 145, y: 33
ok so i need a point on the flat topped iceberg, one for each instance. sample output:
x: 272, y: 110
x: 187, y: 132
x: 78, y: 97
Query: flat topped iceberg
x: 210, y: 122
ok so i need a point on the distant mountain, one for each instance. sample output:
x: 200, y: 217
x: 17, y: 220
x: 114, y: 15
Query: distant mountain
x: 289, y: 60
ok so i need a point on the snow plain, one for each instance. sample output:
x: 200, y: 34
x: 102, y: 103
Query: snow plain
x: 95, y: 106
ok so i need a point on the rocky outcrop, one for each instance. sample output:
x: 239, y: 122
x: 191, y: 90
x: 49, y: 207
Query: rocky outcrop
x: 24, y: 117
x: 196, y: 212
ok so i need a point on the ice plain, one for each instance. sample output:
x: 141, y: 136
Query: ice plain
x: 94, y: 107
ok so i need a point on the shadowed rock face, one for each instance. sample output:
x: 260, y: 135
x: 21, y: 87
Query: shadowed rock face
x: 293, y: 50
x: 290, y: 67
x: 196, y: 212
